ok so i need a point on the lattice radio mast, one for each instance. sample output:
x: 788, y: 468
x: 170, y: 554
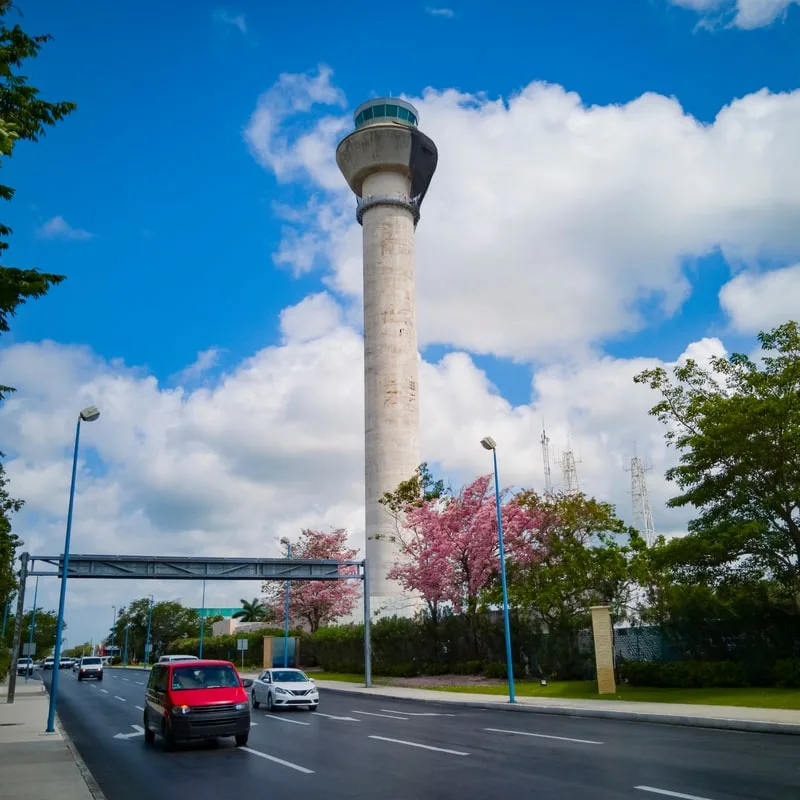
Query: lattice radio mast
x: 548, y: 477
x: 642, y: 512
x: 570, y: 472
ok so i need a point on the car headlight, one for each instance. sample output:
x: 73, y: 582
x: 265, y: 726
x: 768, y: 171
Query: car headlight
x: 281, y: 691
x: 240, y: 706
x: 181, y: 711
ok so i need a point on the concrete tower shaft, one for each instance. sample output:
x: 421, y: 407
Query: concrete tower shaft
x: 388, y: 164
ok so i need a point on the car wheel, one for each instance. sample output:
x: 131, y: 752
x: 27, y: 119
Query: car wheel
x: 100, y: 677
x: 270, y: 706
x: 241, y: 739
x: 256, y: 703
x: 80, y: 678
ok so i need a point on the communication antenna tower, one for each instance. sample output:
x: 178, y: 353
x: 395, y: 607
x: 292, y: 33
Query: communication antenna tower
x: 642, y: 512
x: 570, y: 472
x: 548, y: 477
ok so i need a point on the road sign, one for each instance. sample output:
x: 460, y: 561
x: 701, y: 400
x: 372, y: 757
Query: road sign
x: 29, y: 649
x: 216, y: 612
x: 241, y: 644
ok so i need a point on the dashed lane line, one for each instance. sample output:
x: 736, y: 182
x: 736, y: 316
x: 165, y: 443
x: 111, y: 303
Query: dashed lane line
x: 104, y: 691
x: 418, y: 713
x: 140, y: 708
x: 276, y: 760
x: 542, y: 736
x: 422, y: 746
x: 668, y: 793
x: 122, y: 699
x: 284, y: 719
x: 373, y: 714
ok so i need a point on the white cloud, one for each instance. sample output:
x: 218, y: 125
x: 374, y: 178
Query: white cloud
x: 746, y: 14
x: 549, y: 224
x: 206, y: 361
x: 237, y: 21
x: 59, y: 228
x: 277, y: 444
x: 758, y: 302
x: 447, y: 13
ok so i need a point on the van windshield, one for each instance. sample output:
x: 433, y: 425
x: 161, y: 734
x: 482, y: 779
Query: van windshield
x: 212, y: 677
x: 91, y: 661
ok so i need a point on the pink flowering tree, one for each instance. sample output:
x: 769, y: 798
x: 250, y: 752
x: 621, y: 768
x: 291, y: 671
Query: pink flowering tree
x: 450, y: 549
x: 316, y: 603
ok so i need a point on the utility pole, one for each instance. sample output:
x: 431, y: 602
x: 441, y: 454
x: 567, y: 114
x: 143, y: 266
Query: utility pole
x: 548, y: 477
x: 12, y: 673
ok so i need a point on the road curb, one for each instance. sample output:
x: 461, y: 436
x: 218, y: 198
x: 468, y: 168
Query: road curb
x: 716, y: 723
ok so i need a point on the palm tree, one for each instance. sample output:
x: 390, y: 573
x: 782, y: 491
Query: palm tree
x: 252, y: 611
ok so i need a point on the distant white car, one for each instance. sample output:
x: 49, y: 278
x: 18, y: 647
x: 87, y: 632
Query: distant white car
x: 173, y: 659
x: 90, y: 667
x: 281, y: 688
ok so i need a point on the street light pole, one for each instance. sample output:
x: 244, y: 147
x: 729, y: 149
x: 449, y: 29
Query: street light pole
x: 286, y: 610
x: 89, y: 414
x: 202, y: 620
x: 147, y: 645
x: 33, y: 627
x: 113, y: 634
x: 489, y: 444
x: 125, y: 653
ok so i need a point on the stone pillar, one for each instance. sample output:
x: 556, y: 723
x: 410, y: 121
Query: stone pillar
x: 604, y: 649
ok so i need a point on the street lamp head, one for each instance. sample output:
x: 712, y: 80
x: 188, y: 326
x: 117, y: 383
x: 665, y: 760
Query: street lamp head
x: 488, y: 443
x: 89, y: 414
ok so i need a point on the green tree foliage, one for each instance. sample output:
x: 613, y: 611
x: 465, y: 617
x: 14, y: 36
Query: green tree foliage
x: 23, y: 116
x: 419, y: 488
x: 587, y: 558
x: 44, y: 632
x: 84, y: 649
x: 9, y: 541
x: 253, y: 611
x: 736, y: 425
x: 171, y: 621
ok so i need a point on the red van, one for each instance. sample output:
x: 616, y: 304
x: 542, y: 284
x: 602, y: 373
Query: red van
x: 196, y: 700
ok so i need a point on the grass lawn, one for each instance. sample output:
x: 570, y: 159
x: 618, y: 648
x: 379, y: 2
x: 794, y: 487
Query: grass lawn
x: 587, y: 690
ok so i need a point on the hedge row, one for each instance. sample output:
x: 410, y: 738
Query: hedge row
x: 224, y: 647
x: 5, y: 663
x: 710, y: 674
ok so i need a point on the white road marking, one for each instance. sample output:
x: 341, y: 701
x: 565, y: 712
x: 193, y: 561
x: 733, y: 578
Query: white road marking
x: 127, y: 679
x: 141, y: 683
x: 117, y: 697
x: 104, y: 691
x: 139, y: 731
x: 277, y: 760
x: 140, y: 708
x: 343, y: 719
x: 669, y: 794
x: 417, y: 713
x: 423, y: 746
x: 284, y: 719
x: 373, y: 714
x: 93, y: 686
x: 543, y: 736
x: 253, y: 724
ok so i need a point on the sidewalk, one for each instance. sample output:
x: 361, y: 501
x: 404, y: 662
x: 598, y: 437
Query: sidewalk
x: 35, y: 765
x: 735, y: 718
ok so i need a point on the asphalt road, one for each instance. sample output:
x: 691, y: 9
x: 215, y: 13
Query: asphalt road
x: 358, y: 748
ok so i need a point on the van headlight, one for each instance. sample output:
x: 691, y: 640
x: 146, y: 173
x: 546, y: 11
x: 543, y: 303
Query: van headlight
x: 241, y: 706
x: 181, y: 711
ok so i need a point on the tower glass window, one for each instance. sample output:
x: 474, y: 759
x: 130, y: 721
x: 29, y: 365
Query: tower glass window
x: 385, y: 108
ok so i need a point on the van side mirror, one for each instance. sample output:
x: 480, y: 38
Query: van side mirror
x: 247, y: 682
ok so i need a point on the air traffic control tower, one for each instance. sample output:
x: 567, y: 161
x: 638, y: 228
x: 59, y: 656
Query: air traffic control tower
x: 388, y: 162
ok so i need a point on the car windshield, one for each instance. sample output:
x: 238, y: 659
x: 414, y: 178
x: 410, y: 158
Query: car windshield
x: 92, y: 661
x: 200, y: 677
x: 289, y: 676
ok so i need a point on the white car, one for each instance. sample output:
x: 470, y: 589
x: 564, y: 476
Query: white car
x: 90, y: 667
x: 173, y: 659
x: 281, y: 688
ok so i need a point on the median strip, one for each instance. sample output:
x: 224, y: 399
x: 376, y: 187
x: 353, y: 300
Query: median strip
x: 543, y: 736
x: 422, y: 746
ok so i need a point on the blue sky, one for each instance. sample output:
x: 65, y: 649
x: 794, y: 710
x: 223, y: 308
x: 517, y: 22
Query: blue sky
x: 153, y: 163
x: 632, y: 196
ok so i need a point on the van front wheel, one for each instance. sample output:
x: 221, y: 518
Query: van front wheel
x: 241, y: 739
